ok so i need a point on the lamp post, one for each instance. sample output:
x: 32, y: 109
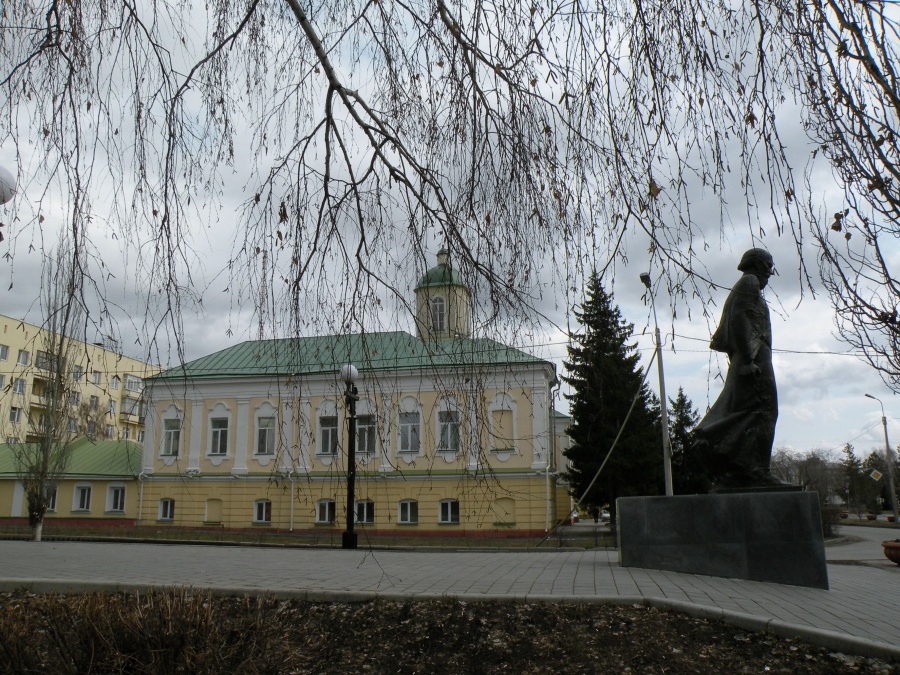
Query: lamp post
x: 351, y: 396
x: 889, y: 457
x: 663, y: 406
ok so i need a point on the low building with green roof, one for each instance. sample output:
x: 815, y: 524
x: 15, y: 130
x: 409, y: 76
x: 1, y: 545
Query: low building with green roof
x: 100, y: 486
x: 456, y: 434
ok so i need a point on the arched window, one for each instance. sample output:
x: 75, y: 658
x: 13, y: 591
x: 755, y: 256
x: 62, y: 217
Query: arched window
x: 438, y: 314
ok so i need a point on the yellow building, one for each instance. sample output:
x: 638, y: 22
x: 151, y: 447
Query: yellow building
x: 456, y: 435
x: 107, y: 387
x: 100, y: 486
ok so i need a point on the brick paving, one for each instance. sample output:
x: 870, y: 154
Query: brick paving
x: 858, y: 613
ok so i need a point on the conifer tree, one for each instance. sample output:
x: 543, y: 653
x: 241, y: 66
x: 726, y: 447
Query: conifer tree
x: 605, y: 375
x: 688, y: 474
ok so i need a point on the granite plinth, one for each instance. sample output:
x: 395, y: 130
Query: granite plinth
x: 761, y: 536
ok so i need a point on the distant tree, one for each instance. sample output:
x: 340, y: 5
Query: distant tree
x: 41, y: 459
x: 604, y: 373
x: 863, y: 493
x: 688, y: 473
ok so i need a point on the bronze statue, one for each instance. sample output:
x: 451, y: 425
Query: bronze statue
x: 734, y: 440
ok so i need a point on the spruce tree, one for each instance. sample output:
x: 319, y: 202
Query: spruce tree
x: 688, y: 473
x: 604, y: 373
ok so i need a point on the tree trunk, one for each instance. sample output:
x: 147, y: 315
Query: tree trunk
x: 36, y: 531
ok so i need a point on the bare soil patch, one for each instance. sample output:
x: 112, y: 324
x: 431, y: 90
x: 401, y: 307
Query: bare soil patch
x: 184, y: 632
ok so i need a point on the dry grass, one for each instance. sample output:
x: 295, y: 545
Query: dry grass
x: 182, y: 632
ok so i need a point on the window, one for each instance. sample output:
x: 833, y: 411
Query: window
x: 24, y: 358
x: 77, y: 372
x: 365, y: 434
x: 409, y: 432
x: 95, y: 402
x: 365, y: 511
x: 438, y: 315
x: 131, y: 406
x: 115, y: 498
x: 448, y: 423
x: 408, y: 512
x: 171, y: 437
x: 218, y: 436
x: 140, y: 436
x: 126, y: 434
x: 11, y: 439
x: 15, y: 415
x: 166, y: 509
x: 2, y: 381
x: 73, y: 426
x: 4, y: 352
x: 95, y: 377
x: 82, y: 498
x: 449, y: 511
x: 51, y: 500
x: 42, y: 360
x: 325, y: 511
x: 75, y: 398
x: 265, y: 440
x: 132, y: 383
x: 328, y: 434
x: 114, y: 382
x: 91, y: 427
x: 111, y: 432
x: 111, y: 407
x: 262, y: 511
x: 19, y: 386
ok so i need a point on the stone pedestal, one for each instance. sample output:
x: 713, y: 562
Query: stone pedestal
x: 759, y: 536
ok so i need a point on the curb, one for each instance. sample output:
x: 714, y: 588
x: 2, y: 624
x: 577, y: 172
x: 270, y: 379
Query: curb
x: 832, y: 640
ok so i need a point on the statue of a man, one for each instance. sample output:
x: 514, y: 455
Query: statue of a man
x: 734, y: 440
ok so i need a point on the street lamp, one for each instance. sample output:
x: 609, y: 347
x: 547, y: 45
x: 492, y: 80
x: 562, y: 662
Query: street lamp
x: 351, y: 395
x: 889, y: 456
x: 664, y: 402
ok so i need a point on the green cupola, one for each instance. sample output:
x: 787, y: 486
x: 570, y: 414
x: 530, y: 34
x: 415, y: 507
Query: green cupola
x: 443, y: 303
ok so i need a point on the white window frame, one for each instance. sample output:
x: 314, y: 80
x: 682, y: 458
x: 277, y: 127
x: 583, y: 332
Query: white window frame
x: 51, y: 500
x: 126, y: 434
x: 4, y: 352
x: 96, y: 377
x: 408, y: 512
x: 114, y: 382
x: 366, y: 434
x: 262, y: 511
x: 77, y: 372
x: 2, y: 381
x: 111, y: 407
x: 73, y: 426
x: 15, y: 415
x: 166, y: 509
x: 437, y: 308
x: 42, y: 360
x: 110, y: 430
x: 171, y: 437
x: 24, y: 358
x: 133, y: 383
x: 266, y: 434
x: 330, y: 511
x: 81, y: 497
x: 115, y: 498
x: 218, y: 437
x: 364, y: 512
x: 75, y: 398
x: 18, y: 385
x: 448, y: 420
x: 329, y: 435
x: 446, y: 512
x: 94, y: 402
x: 140, y: 436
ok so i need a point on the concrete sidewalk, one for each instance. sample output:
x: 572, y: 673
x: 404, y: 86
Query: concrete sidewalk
x: 857, y: 615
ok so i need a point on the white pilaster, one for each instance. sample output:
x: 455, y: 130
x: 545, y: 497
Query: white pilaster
x: 242, y: 426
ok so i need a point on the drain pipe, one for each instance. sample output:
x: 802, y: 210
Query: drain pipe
x: 291, y: 479
x: 140, y: 477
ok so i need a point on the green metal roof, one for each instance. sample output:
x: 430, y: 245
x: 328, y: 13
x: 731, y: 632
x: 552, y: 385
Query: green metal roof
x: 367, y: 351
x: 113, y: 459
x: 440, y: 275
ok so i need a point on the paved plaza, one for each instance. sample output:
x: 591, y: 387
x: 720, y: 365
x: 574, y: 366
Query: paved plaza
x: 857, y: 614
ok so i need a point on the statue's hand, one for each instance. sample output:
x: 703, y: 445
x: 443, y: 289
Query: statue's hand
x: 750, y: 369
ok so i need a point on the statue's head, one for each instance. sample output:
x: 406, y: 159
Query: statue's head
x: 757, y: 259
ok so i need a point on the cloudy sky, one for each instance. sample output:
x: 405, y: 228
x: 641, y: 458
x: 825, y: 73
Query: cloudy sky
x: 821, y: 386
